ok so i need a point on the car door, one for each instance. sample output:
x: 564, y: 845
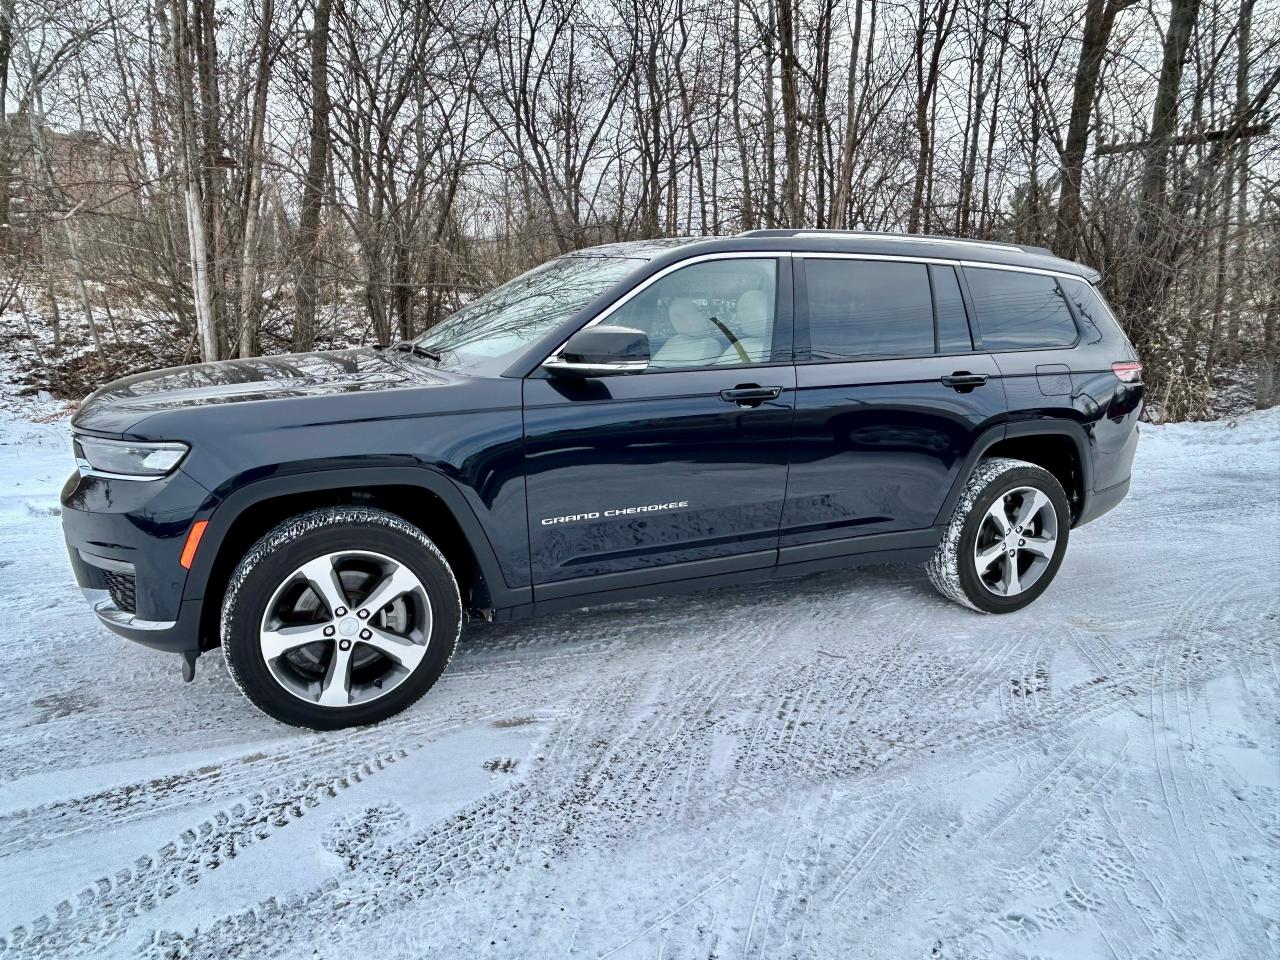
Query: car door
x: 679, y: 471
x: 890, y: 397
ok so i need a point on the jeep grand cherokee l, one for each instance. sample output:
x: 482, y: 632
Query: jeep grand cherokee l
x: 626, y: 420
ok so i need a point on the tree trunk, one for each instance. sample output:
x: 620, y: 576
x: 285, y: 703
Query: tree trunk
x: 248, y: 306
x: 210, y: 153
x: 790, y: 110
x: 922, y: 121
x: 1154, y: 272
x: 1268, y: 391
x: 653, y: 180
x: 840, y: 202
x: 306, y: 290
x: 941, y: 19
x: 6, y: 47
x: 1099, y: 18
x: 748, y: 214
x: 1220, y: 271
x: 180, y: 40
x: 6, y: 155
x: 1243, y: 32
x: 984, y: 208
x: 770, y: 126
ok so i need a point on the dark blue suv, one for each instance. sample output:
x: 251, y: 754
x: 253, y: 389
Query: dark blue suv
x: 626, y: 420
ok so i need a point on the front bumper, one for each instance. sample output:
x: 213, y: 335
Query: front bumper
x: 173, y: 636
x: 124, y: 539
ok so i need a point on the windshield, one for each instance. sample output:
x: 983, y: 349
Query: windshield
x: 489, y: 331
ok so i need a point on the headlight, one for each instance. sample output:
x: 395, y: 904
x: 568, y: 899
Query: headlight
x: 127, y: 458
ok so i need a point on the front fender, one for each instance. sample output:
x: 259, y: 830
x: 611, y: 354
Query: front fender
x: 233, y: 506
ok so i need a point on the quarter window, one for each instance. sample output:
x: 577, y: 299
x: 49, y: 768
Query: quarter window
x: 1090, y: 308
x: 1019, y: 311
x: 868, y: 308
x: 719, y: 312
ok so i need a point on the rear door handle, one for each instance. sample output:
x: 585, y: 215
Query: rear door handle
x: 964, y: 381
x: 750, y: 395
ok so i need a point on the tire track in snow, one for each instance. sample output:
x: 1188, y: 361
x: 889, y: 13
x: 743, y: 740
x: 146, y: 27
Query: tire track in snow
x: 1173, y: 736
x: 896, y: 868
x: 309, y: 755
x: 103, y: 910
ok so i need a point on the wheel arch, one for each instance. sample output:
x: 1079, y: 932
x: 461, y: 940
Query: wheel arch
x: 428, y: 500
x: 1058, y: 445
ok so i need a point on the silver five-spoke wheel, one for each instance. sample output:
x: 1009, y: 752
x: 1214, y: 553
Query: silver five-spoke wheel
x: 346, y: 628
x: 1016, y: 541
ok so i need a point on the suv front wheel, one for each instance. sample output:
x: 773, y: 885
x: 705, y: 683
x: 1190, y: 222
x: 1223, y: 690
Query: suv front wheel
x: 1006, y: 539
x: 339, y: 617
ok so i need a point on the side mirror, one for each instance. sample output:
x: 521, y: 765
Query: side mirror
x: 599, y: 351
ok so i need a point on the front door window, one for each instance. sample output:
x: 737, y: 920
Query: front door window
x: 716, y: 313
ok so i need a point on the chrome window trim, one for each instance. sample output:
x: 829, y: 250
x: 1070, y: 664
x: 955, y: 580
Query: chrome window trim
x: 554, y: 356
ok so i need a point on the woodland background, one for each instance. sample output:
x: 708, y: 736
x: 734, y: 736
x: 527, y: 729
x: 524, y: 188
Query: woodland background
x: 185, y: 179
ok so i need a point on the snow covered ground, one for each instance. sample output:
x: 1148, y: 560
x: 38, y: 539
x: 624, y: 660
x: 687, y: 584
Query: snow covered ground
x: 842, y: 766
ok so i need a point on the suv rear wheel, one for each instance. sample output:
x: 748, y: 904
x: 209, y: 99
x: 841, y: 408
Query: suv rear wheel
x: 340, y: 617
x: 1006, y: 539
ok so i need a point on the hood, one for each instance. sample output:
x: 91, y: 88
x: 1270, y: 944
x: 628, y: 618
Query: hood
x: 122, y: 404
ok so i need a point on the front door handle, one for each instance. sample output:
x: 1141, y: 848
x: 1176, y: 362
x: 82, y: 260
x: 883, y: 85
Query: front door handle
x: 750, y: 394
x: 962, y: 381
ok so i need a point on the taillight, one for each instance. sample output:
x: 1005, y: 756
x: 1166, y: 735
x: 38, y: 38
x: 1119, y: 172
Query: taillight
x: 1127, y: 371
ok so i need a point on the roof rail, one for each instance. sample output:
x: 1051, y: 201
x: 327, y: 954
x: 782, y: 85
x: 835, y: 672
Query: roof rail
x: 896, y: 238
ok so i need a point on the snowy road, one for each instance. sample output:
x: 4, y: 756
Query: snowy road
x: 843, y: 766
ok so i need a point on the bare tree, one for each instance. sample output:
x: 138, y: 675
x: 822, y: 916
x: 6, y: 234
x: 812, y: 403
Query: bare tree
x: 182, y: 181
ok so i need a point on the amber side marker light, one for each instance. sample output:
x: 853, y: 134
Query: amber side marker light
x: 193, y: 541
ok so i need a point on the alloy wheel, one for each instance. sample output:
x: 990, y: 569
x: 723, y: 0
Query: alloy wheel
x: 346, y: 628
x: 1016, y: 541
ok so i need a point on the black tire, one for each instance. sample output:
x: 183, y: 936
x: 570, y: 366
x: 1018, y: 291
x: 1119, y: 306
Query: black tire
x: 953, y: 569
x: 270, y: 563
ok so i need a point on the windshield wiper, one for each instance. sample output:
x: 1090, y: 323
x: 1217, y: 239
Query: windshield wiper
x: 408, y: 346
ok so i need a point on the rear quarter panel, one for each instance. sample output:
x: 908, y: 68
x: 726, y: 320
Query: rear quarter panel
x: 1088, y: 393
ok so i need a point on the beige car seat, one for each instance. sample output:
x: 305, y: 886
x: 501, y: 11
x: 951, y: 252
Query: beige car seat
x: 694, y: 344
x: 752, y: 327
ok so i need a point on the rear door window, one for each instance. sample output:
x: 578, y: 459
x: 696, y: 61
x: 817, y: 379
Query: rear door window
x: 868, y: 308
x: 953, y: 325
x: 1019, y: 311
